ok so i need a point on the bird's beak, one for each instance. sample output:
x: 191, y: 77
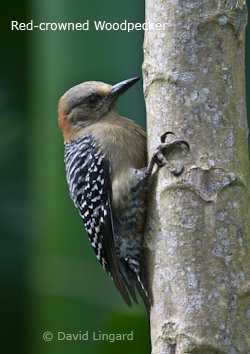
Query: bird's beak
x: 121, y: 87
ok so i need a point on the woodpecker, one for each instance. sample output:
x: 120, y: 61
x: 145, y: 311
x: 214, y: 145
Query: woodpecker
x: 107, y: 175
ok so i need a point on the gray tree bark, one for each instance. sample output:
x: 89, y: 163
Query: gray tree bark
x: 198, y: 229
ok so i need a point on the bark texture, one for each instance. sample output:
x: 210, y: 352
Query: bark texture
x: 198, y: 228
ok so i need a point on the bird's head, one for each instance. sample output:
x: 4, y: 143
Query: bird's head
x: 88, y: 103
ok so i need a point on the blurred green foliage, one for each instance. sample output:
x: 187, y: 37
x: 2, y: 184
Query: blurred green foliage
x: 50, y: 278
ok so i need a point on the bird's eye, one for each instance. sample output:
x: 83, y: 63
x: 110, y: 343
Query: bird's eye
x: 93, y: 100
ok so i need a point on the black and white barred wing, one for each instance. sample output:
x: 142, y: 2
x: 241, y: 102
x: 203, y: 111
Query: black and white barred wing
x: 91, y: 190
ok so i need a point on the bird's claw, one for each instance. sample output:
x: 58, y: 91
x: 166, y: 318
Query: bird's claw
x: 163, y: 137
x: 159, y: 158
x: 177, y: 141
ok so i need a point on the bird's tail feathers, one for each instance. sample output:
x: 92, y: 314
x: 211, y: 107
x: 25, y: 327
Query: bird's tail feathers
x: 132, y: 279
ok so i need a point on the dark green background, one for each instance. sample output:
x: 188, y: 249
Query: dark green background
x: 50, y: 279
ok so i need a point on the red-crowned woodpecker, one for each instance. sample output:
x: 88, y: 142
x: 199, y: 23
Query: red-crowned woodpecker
x: 107, y: 175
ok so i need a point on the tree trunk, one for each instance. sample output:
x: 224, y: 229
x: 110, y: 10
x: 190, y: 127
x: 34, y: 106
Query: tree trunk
x: 198, y: 230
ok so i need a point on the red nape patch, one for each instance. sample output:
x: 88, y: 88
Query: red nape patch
x: 62, y: 118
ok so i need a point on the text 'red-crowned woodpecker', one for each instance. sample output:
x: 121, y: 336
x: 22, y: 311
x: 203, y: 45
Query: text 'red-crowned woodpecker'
x: 107, y: 174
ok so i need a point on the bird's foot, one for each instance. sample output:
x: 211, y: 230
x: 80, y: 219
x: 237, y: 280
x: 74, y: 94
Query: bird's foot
x: 160, y: 160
